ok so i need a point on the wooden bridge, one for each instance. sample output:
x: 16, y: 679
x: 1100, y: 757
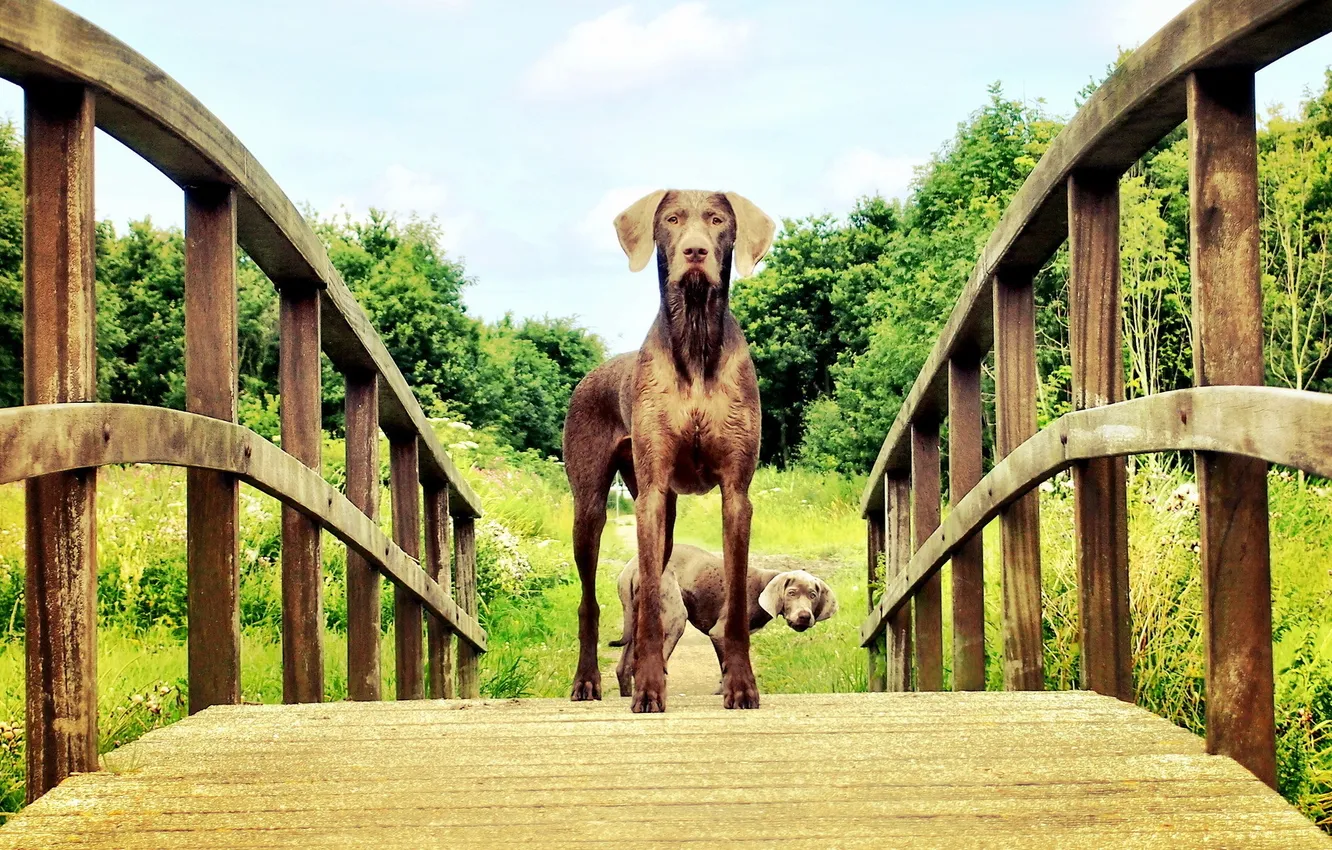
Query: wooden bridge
x: 1019, y: 768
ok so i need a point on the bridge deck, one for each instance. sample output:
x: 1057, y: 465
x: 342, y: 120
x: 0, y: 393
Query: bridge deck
x: 853, y: 770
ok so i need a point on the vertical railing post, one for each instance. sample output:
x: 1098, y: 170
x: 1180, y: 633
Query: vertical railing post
x: 60, y: 365
x: 405, y: 488
x: 925, y: 498
x: 964, y: 472
x: 876, y: 671
x: 1100, y: 489
x: 897, y: 503
x: 1228, y: 349
x: 299, y: 382
x: 363, y: 581
x: 439, y: 637
x: 1020, y: 523
x: 212, y: 498
x: 464, y: 568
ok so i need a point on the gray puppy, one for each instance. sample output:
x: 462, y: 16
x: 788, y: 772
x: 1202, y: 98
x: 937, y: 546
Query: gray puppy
x: 692, y: 590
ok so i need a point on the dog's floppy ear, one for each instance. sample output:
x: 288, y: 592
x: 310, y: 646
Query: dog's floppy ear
x: 773, y: 597
x: 753, y: 233
x: 634, y: 228
x: 827, y: 604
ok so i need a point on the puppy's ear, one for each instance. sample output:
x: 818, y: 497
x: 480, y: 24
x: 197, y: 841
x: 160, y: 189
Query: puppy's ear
x: 753, y: 233
x: 773, y: 597
x: 827, y: 604
x: 634, y: 228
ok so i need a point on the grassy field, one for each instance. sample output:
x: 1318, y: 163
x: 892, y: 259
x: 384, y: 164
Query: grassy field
x: 529, y: 596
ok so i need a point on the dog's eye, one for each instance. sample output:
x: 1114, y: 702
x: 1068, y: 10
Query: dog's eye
x: 673, y: 219
x: 716, y: 219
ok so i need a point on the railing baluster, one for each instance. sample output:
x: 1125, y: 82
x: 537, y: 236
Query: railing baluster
x: 60, y: 365
x: 1100, y: 488
x: 464, y: 571
x: 1228, y: 349
x: 404, y: 486
x: 439, y: 637
x: 876, y: 672
x: 964, y: 471
x: 897, y: 503
x: 363, y: 581
x: 212, y: 498
x: 302, y: 582
x: 925, y: 497
x: 1015, y: 406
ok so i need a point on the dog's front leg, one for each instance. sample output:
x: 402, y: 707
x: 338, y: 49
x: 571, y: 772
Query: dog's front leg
x: 649, y: 663
x: 739, y: 690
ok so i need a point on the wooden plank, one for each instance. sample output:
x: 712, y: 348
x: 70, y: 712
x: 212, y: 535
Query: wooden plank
x: 102, y: 434
x: 900, y: 546
x: 299, y: 382
x: 876, y: 546
x: 1274, y: 424
x: 1140, y: 103
x: 439, y: 637
x: 1015, y: 412
x: 404, y: 488
x: 925, y: 498
x: 1059, y: 769
x: 464, y: 574
x: 149, y: 112
x: 965, y: 467
x: 1225, y: 264
x: 363, y: 582
x: 1100, y: 486
x: 59, y: 365
x: 212, y: 500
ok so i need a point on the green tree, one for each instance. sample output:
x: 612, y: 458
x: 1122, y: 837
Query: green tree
x: 11, y: 266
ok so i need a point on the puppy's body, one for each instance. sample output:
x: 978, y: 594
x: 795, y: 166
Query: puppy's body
x: 678, y: 416
x: 692, y: 590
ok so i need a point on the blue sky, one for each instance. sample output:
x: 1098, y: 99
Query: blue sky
x: 525, y: 126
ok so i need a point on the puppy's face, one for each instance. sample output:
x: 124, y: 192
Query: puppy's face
x: 799, y: 598
x: 695, y: 235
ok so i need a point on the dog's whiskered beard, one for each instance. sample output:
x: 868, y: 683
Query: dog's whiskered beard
x: 694, y: 309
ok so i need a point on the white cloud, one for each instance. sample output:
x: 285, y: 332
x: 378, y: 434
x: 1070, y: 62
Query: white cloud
x: 861, y: 171
x: 615, y: 53
x: 1129, y: 23
x: 404, y: 193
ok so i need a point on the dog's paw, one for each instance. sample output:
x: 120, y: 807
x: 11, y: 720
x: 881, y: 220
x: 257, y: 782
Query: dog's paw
x: 586, y: 688
x: 650, y: 690
x: 739, y: 690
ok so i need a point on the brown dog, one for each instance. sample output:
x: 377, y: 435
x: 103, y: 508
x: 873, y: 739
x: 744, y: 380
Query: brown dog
x: 680, y: 415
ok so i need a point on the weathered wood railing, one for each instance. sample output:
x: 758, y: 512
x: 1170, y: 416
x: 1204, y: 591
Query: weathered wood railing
x: 1199, y: 67
x: 77, y: 77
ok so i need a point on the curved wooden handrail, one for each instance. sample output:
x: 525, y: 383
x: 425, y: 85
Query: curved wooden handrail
x: 1281, y: 426
x: 1120, y: 122
x: 46, y: 438
x: 148, y: 111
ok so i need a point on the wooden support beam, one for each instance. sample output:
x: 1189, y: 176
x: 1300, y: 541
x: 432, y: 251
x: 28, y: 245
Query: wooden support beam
x: 363, y: 581
x: 1015, y: 407
x: 60, y: 365
x: 439, y: 637
x: 299, y: 382
x: 876, y: 672
x: 212, y: 498
x: 965, y: 467
x: 925, y: 499
x: 1100, y: 487
x: 898, y: 541
x: 1228, y: 349
x: 405, y: 489
x: 464, y: 570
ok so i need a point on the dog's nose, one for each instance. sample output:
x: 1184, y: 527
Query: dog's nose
x: 695, y: 253
x: 803, y: 620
